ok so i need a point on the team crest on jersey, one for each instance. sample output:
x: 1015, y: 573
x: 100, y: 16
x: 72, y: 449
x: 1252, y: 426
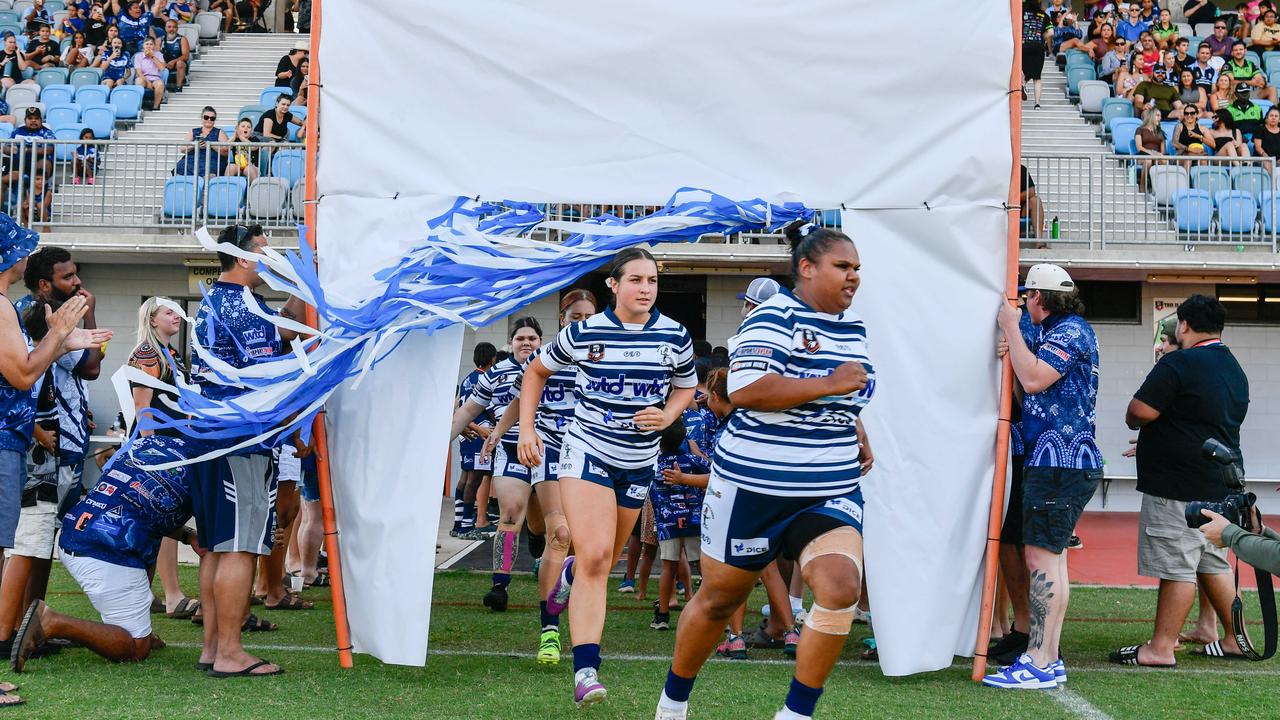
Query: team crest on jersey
x: 664, y: 355
x: 810, y: 341
x: 595, y: 353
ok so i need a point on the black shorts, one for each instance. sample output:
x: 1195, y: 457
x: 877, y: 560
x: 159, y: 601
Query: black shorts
x: 1032, y: 60
x: 1011, y: 531
x: 1052, y: 502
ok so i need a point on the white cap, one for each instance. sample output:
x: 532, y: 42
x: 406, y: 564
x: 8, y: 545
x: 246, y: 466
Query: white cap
x: 1048, y: 277
x: 760, y: 289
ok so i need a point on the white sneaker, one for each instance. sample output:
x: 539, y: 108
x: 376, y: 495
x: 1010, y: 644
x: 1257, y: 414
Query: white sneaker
x: 1059, y: 669
x: 669, y: 714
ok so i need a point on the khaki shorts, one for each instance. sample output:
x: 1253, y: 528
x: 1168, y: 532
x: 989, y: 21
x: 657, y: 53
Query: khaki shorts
x: 1168, y: 549
x: 669, y: 550
x: 37, y: 527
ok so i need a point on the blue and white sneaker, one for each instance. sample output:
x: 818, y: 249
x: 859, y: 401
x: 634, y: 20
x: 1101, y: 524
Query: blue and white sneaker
x: 1059, y: 669
x: 1022, y: 675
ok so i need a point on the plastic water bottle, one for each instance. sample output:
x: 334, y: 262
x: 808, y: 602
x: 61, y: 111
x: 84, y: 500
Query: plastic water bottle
x: 1053, y: 229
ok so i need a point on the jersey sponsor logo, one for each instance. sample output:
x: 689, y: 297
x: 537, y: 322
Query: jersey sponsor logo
x: 554, y: 394
x: 618, y: 386
x: 253, y: 335
x: 846, y: 506
x: 121, y: 476
x: 748, y: 547
x: 94, y: 503
x: 1057, y: 351
x: 664, y: 356
x: 638, y: 492
x: 762, y: 352
x: 595, y: 352
x: 260, y: 352
x: 105, y: 488
x: 809, y: 339
x: 596, y: 469
x: 84, y: 518
x: 739, y: 365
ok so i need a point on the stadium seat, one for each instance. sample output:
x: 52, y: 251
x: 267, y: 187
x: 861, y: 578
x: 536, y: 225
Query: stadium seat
x: 191, y: 32
x: 101, y: 118
x: 298, y: 199
x: 1169, y: 128
x: 210, y: 24
x: 1122, y: 133
x: 267, y: 98
x: 1253, y: 179
x: 55, y: 6
x: 22, y: 94
x: 1116, y: 107
x: 1193, y: 211
x: 1253, y: 57
x: 127, y: 101
x: 1237, y: 211
x: 1167, y: 180
x: 17, y: 109
x: 1270, y: 208
x: 22, y: 6
x: 1075, y: 58
x: 1264, y: 104
x: 182, y: 195
x: 58, y: 94
x: 288, y: 164
x: 86, y: 76
x: 1092, y: 93
x: 92, y: 94
x: 64, y: 153
x: 6, y: 130
x: 1270, y: 60
x: 15, y: 28
x: 1075, y: 76
x: 268, y: 197
x: 62, y: 115
x: 1204, y: 29
x: 1213, y: 179
x: 9, y: 16
x: 299, y: 112
x: 224, y: 197
x: 53, y: 76
x: 1184, y: 30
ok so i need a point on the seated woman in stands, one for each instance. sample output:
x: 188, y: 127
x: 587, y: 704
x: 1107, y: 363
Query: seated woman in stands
x: 12, y: 62
x: 114, y: 62
x: 78, y: 54
x: 1103, y: 44
x: 274, y: 125
x: 1129, y: 77
x: 1227, y: 138
x: 148, y: 66
x: 1150, y: 142
x: 228, y: 10
x: 209, y: 154
x: 1266, y: 141
x: 1222, y: 95
x: 1164, y: 31
x: 1191, y: 138
x: 244, y: 158
x: 1189, y: 93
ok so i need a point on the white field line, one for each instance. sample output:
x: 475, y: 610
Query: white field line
x: 1078, y: 706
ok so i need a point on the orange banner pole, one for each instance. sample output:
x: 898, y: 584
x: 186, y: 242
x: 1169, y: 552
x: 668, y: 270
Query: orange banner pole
x: 996, y: 517
x: 319, y: 430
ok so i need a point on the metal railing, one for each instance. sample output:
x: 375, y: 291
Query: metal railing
x: 123, y: 184
x: 1099, y: 200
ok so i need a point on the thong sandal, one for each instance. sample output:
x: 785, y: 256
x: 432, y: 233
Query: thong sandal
x: 291, y: 602
x: 4, y: 694
x: 185, y: 609
x: 253, y: 623
x: 1128, y: 655
x: 1214, y: 650
x: 247, y: 672
x: 321, y: 580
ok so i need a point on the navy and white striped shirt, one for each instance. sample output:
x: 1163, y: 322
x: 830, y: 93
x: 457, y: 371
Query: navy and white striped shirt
x: 494, y: 392
x: 555, y: 409
x: 810, y: 450
x: 622, y: 368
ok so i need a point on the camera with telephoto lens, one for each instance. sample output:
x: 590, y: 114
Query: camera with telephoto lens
x: 1237, y: 506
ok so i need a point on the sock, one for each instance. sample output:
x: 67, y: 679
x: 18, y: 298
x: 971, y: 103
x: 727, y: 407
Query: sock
x: 802, y: 699
x: 503, y: 579
x: 797, y: 604
x: 676, y: 692
x: 537, y: 543
x: 586, y: 656
x: 468, y: 517
x: 458, y: 514
x: 548, y: 620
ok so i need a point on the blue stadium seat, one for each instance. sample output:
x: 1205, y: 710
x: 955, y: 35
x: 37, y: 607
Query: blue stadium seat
x: 1253, y: 57
x: 127, y: 101
x: 102, y: 118
x: 267, y: 98
x: 1193, y: 211
x: 288, y: 164
x: 62, y: 115
x: 92, y: 94
x: 1169, y: 127
x: 1115, y: 107
x: 1270, y: 61
x: 1078, y: 59
x: 53, y: 76
x: 86, y: 76
x: 64, y: 153
x: 10, y: 16
x: 54, y: 6
x: 1264, y: 104
x: 253, y: 112
x: 1270, y: 209
x: 1122, y: 133
x: 1077, y: 74
x: 1237, y: 211
x: 224, y: 196
x: 6, y: 129
x: 1213, y: 179
x: 182, y: 195
x: 57, y: 94
x: 298, y: 112
x: 1253, y: 179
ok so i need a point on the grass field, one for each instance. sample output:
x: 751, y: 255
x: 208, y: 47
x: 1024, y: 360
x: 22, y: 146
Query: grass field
x: 481, y: 667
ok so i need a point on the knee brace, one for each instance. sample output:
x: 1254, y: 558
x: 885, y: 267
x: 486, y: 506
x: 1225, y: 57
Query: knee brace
x: 842, y: 541
x: 506, y: 547
x: 557, y: 532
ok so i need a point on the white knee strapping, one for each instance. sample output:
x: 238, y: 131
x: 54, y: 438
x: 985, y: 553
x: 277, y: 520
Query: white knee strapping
x: 830, y: 622
x: 841, y: 541
x: 555, y: 520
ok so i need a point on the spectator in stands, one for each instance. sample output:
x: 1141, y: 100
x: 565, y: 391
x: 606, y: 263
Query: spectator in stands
x: 251, y: 15
x: 205, y: 159
x: 1190, y: 94
x: 244, y: 157
x: 148, y: 68
x: 1099, y: 46
x: 1149, y: 140
x: 1132, y: 26
x: 1149, y: 52
x: 1180, y: 54
x: 1190, y: 138
x: 37, y: 201
x: 95, y: 28
x: 6, y: 114
x: 1164, y: 31
x: 1129, y: 77
x: 1203, y: 69
x: 115, y: 64
x: 38, y: 154
x: 1199, y: 11
x: 1155, y: 93
x: 287, y: 69
x: 1266, y: 139
x: 73, y: 22
x: 180, y: 11
x: 1246, y: 115
x: 1055, y: 10
x: 12, y: 63
x: 228, y: 10
x: 1221, y: 97
x: 1227, y: 138
x: 1067, y: 35
x: 300, y: 80
x: 177, y: 54
x: 1266, y: 34
x: 86, y: 159
x: 134, y: 24
x: 1030, y: 207
x: 274, y: 125
x: 44, y: 51
x: 78, y: 53
x: 36, y: 17
x: 1035, y: 34
x: 1148, y: 12
x: 1220, y: 42
x: 1113, y: 61
x: 1171, y: 70
x: 1246, y: 72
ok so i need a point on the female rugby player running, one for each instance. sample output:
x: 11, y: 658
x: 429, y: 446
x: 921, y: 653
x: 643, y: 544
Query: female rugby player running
x: 494, y: 392
x: 555, y: 411
x: 629, y: 358
x: 785, y: 474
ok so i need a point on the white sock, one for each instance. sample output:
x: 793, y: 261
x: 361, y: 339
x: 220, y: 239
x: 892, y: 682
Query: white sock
x: 797, y: 604
x: 788, y: 714
x: 667, y: 703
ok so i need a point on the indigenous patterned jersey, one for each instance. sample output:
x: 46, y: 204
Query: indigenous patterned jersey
x: 231, y: 333
x: 495, y: 390
x: 1058, y: 422
x: 677, y: 509
x: 17, y: 411
x: 622, y: 368
x: 810, y: 450
x: 1030, y: 336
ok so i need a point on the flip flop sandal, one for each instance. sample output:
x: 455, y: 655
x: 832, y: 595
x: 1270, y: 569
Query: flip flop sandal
x: 11, y: 704
x: 256, y: 624
x: 291, y: 602
x: 204, y: 667
x: 247, y: 672
x: 322, y: 580
x: 157, y: 606
x: 185, y: 609
x: 8, y: 687
x: 257, y: 599
x: 1128, y: 655
x: 764, y: 641
x: 1214, y: 650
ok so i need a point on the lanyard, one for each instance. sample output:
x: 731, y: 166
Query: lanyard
x: 1208, y: 343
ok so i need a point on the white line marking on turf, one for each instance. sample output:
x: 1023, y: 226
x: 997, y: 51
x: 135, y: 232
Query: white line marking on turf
x: 1077, y: 705
x: 459, y: 555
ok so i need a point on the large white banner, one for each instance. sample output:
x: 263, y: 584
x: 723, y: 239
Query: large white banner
x: 578, y: 101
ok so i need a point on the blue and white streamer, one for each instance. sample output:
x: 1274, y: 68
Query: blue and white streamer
x: 475, y: 265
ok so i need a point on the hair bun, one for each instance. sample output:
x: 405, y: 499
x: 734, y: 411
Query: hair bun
x: 796, y: 232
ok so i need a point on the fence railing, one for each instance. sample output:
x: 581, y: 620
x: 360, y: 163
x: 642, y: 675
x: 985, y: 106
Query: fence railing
x: 1098, y: 200
x: 118, y: 184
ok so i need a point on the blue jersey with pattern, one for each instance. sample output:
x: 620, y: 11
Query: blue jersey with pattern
x: 555, y: 409
x: 1058, y: 422
x: 495, y: 390
x: 695, y: 430
x: 133, y: 29
x: 677, y: 509
x: 17, y: 410
x: 231, y: 333
x: 622, y: 368
x: 810, y: 450
x: 123, y: 518
x: 465, y: 391
x: 1030, y: 336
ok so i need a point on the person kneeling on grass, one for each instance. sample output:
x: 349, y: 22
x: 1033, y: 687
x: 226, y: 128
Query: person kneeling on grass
x: 677, y: 512
x: 109, y: 539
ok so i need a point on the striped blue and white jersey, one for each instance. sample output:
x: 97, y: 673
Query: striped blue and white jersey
x: 810, y: 450
x: 494, y: 392
x: 465, y: 389
x: 622, y: 368
x: 555, y: 410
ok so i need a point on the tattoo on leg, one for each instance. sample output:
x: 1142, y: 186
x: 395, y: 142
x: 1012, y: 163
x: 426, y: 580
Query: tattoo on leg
x: 1039, y: 596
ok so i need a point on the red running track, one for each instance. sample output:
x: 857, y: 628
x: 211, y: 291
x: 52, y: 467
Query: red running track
x: 1110, y: 553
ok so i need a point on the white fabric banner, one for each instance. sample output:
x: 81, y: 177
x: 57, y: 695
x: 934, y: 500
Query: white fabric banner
x: 578, y: 101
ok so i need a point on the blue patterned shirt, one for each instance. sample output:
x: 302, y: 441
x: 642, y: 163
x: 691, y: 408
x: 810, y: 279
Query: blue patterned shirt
x: 677, y: 509
x: 1058, y: 422
x: 231, y: 333
x: 17, y: 411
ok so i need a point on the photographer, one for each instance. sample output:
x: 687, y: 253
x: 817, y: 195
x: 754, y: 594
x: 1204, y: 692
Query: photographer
x: 1197, y: 393
x: 1262, y: 550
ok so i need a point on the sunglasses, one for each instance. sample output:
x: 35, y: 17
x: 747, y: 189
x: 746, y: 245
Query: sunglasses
x: 210, y: 118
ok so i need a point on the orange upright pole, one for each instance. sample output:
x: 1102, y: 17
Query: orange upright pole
x: 996, y: 517
x: 318, y: 429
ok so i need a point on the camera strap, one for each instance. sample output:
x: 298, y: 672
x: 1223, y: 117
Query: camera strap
x: 1267, y: 601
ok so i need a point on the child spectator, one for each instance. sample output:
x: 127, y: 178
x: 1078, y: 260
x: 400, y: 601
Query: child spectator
x: 677, y: 511
x: 86, y: 159
x: 38, y: 201
x: 78, y: 53
x: 244, y: 157
x: 44, y: 51
x: 114, y: 62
